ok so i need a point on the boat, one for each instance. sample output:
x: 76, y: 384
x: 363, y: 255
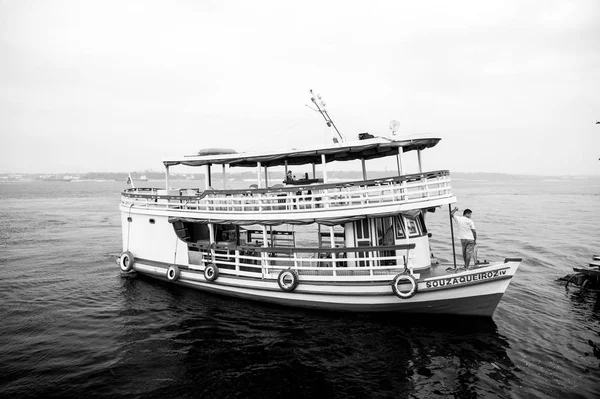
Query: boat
x: 143, y: 178
x: 360, y: 245
x: 585, y: 278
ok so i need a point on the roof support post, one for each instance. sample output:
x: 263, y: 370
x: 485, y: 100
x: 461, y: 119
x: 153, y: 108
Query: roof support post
x: 266, y: 178
x: 364, y: 168
x: 324, y: 162
x: 399, y: 161
x: 207, y: 178
x: 258, y: 179
x: 419, y: 157
x: 167, y: 178
x: 224, y: 178
x: 314, y: 168
x: 319, y: 235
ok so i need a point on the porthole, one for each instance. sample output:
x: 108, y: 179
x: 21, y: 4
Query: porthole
x: 151, y: 221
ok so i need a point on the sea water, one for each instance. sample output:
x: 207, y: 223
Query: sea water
x: 72, y: 325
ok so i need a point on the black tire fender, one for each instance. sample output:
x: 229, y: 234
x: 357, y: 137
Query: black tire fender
x: 173, y: 273
x: 400, y: 278
x: 288, y: 280
x: 126, y: 261
x: 211, y: 272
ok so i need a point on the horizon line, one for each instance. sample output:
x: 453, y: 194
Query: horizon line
x: 201, y: 173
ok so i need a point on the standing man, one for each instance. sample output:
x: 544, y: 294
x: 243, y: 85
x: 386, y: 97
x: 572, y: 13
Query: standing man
x: 467, y: 234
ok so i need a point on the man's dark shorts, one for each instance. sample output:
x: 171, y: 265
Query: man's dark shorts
x: 468, y: 248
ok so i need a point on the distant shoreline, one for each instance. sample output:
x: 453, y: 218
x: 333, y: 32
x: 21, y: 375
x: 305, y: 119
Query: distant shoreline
x: 336, y: 175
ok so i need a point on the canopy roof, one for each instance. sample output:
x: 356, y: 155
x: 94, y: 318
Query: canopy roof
x: 372, y: 148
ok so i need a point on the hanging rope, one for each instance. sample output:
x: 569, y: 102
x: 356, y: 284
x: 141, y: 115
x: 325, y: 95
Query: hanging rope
x: 175, y: 255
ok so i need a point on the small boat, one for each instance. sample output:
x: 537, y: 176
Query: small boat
x: 361, y: 244
x: 143, y: 178
x: 586, y: 278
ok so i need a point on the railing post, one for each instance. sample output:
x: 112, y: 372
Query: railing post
x: 332, y: 245
x: 263, y: 263
x: 403, y: 196
x: 264, y: 254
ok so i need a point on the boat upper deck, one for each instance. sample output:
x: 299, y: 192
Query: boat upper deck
x: 365, y: 149
x: 308, y: 203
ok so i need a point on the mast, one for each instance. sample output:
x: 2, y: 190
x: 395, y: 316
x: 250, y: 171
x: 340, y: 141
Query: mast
x: 321, y: 109
x: 452, y: 235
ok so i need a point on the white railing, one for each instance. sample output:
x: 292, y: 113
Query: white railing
x: 298, y: 198
x: 319, y: 263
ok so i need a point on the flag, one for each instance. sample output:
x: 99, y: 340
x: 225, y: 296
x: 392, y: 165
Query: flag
x: 130, y: 180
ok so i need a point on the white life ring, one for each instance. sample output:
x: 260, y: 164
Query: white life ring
x: 403, y: 278
x: 288, y: 280
x: 173, y: 273
x: 126, y: 261
x: 211, y: 272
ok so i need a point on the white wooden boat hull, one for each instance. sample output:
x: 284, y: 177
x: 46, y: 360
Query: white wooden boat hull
x: 474, y: 293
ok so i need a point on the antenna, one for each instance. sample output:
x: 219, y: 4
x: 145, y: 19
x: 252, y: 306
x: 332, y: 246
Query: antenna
x: 321, y: 109
x: 394, y: 125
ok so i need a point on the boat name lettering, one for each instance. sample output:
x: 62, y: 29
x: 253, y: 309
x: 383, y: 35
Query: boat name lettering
x: 465, y: 279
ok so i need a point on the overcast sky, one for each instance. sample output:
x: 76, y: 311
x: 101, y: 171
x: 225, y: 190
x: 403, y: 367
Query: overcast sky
x: 509, y: 86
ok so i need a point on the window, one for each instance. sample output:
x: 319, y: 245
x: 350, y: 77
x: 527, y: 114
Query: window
x: 363, y: 238
x: 387, y: 239
x: 412, y: 227
x: 422, y: 223
x: 362, y: 230
x: 399, y: 227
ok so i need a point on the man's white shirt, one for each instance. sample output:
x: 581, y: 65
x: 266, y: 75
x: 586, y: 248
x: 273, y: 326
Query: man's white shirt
x: 464, y: 227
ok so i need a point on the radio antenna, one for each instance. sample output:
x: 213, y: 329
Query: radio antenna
x: 321, y: 109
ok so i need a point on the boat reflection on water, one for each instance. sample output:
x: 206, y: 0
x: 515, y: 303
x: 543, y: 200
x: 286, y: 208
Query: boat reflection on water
x: 219, y: 346
x: 585, y: 300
